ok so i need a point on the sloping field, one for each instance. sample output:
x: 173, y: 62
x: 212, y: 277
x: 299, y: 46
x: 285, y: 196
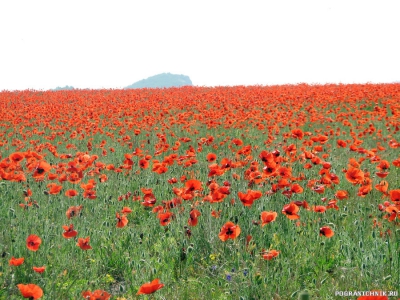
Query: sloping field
x: 200, y: 193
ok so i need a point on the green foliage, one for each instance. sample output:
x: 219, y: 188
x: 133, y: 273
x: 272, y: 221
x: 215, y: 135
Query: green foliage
x: 64, y: 88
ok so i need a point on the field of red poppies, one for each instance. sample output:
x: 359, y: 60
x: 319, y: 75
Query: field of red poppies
x: 245, y: 192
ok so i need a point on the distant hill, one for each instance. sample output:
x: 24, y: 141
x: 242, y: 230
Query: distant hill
x: 59, y: 88
x: 162, y: 80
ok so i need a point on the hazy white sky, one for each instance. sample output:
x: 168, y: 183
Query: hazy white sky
x: 111, y: 44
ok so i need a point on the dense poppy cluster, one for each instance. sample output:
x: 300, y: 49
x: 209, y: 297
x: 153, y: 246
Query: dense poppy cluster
x: 280, y: 141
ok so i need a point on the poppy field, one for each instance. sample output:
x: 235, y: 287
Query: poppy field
x: 246, y: 192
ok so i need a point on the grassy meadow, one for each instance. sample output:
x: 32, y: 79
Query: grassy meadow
x: 243, y: 192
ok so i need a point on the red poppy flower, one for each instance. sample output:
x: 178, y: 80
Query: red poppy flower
x: 268, y: 217
x: 89, y: 194
x: 382, y: 174
x: 354, y: 175
x: 237, y: 142
x: 143, y: 163
x: 73, y: 211
x: 382, y: 187
x: 147, y: 191
x: 149, y: 202
x: 395, y: 196
x: 296, y: 188
x: 159, y: 168
x: 33, y: 242
x: 150, y: 287
x: 122, y: 220
x: 383, y: 165
x: 326, y: 165
x: 341, y: 144
x: 211, y: 157
x: 193, y: 185
x: 31, y: 291
x: 172, y: 180
x: 393, y: 212
x: 69, y: 231
x: 16, y: 157
x: 341, y: 195
x: 248, y: 198
x: 54, y: 189
x: 39, y: 269
x: 285, y: 172
x: 126, y: 210
x: 71, y: 193
x: 291, y: 210
x: 83, y: 243
x: 16, y: 261
x: 270, y: 254
x: 165, y: 218
x: 103, y: 178
x: 326, y: 231
x: 194, y: 214
x: 41, y: 169
x: 364, y: 190
x: 297, y: 134
x: 319, y: 208
x: 96, y: 295
x: 229, y: 231
x: 320, y: 189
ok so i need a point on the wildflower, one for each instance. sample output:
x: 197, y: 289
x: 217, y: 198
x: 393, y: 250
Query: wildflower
x: 73, y: 211
x: 354, y: 175
x: 248, y: 198
x: 319, y: 208
x: 144, y: 164
x: 83, y: 243
x: 150, y: 287
x: 69, y: 231
x: 122, y: 220
x: 71, y: 193
x: 229, y: 231
x: 165, y: 218
x: 193, y: 185
x: 395, y: 196
x: 16, y: 157
x: 211, y: 157
x: 16, y: 261
x: 270, y: 254
x: 96, y: 295
x: 41, y: 169
x: 33, y: 242
x: 268, y: 217
x: 126, y: 210
x: 54, y: 189
x: 341, y: 195
x: 31, y: 291
x: 297, y: 134
x: 194, y: 214
x: 89, y: 194
x: 291, y: 210
x: 326, y: 231
x: 39, y: 269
